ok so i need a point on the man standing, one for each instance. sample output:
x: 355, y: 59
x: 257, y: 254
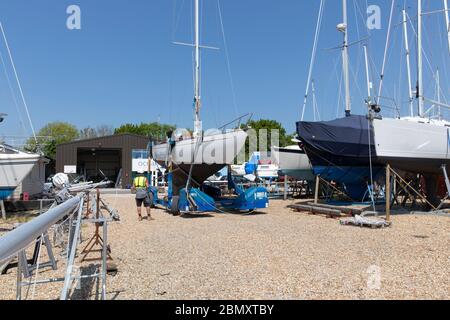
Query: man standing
x: 140, y: 184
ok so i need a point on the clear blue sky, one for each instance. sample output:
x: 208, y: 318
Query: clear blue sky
x: 122, y: 67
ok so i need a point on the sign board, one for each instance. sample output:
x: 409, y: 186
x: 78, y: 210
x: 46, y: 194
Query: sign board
x: 141, y: 165
x: 70, y: 169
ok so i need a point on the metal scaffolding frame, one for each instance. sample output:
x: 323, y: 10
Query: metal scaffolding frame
x: 72, y: 212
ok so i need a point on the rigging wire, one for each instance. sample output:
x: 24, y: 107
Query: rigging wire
x: 385, y: 51
x: 227, y: 58
x: 313, y: 55
x: 429, y: 65
x: 8, y: 80
x: 18, y: 83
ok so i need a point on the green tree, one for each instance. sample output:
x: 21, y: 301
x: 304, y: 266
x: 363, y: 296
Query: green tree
x: 269, y: 125
x: 153, y: 129
x: 50, y: 136
x: 99, y: 131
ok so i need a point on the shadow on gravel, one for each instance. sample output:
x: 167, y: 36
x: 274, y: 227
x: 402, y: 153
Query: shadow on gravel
x: 247, y: 214
x: 84, y: 289
x: 196, y: 216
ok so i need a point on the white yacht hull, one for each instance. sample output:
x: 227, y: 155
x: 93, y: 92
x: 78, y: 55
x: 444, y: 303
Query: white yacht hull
x: 293, y: 162
x: 13, y: 169
x: 214, y: 152
x: 412, y: 145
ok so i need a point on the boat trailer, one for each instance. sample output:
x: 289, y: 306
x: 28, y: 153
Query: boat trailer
x: 209, y: 198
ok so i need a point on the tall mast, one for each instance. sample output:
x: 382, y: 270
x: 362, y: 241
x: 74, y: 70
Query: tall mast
x: 197, y: 101
x: 369, y: 83
x: 344, y: 28
x: 438, y: 90
x: 447, y: 22
x: 408, y: 64
x: 420, y: 59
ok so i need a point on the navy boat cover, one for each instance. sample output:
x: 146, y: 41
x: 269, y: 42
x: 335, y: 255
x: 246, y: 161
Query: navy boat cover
x: 346, y: 137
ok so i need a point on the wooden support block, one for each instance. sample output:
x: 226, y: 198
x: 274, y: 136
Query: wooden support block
x: 316, y: 192
x: 388, y: 193
x: 2, y: 207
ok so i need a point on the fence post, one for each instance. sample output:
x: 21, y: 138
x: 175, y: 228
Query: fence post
x: 388, y: 193
x: 316, y: 192
x: 2, y: 207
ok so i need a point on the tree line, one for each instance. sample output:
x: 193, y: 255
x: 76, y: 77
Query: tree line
x: 55, y: 133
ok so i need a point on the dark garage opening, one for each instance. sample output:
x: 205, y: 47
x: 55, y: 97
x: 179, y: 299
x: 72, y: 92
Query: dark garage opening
x: 91, y: 161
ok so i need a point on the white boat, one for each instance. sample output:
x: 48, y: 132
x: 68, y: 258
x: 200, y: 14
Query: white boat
x: 420, y: 145
x: 203, y: 159
x: 267, y: 171
x: 355, y: 150
x: 197, y: 158
x: 293, y: 162
x: 238, y: 169
x: 15, y: 165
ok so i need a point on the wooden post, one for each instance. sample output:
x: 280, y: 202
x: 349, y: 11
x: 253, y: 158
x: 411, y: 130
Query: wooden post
x: 2, y: 206
x: 316, y: 192
x: 388, y: 193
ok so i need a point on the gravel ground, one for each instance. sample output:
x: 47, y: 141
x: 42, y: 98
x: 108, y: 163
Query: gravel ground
x: 272, y: 254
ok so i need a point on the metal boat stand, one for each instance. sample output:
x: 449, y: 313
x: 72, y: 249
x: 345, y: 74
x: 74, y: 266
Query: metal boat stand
x: 97, y: 239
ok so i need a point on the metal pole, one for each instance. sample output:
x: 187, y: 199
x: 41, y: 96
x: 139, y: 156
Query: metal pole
x: 438, y: 89
x: 73, y: 249
x: 388, y: 193
x: 447, y: 22
x: 345, y: 65
x: 104, y: 258
x: 420, y: 59
x: 408, y: 64
x: 197, y: 70
x: 369, y: 84
x: 18, y: 239
x: 19, y: 278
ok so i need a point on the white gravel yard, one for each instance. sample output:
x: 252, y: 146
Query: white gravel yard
x: 274, y: 254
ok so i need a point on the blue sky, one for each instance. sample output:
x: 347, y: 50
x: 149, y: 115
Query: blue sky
x: 122, y: 66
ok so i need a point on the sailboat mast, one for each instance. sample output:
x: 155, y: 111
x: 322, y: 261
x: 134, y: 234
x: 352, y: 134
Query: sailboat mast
x: 369, y: 84
x: 438, y: 90
x: 344, y: 29
x: 447, y: 22
x: 408, y: 64
x: 197, y: 125
x: 420, y: 59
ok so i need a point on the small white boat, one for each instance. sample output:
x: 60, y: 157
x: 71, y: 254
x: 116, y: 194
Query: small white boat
x: 293, y: 162
x: 267, y: 171
x: 15, y: 165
